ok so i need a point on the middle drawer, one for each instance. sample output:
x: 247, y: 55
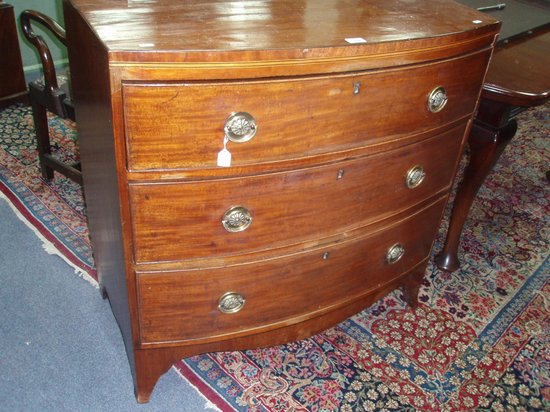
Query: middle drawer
x: 221, y: 217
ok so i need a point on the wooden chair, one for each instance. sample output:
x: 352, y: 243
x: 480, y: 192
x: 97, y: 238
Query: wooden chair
x: 52, y: 93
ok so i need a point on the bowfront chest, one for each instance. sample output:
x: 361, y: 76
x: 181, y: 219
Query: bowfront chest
x: 256, y: 172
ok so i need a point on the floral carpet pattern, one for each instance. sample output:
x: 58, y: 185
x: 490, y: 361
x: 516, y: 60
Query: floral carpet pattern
x: 479, y: 340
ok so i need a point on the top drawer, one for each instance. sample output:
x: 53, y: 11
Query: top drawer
x: 181, y: 126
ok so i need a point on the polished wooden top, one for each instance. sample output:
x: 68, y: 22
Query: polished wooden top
x: 519, y: 73
x: 207, y: 26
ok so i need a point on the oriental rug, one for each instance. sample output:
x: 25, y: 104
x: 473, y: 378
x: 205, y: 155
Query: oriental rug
x: 479, y: 340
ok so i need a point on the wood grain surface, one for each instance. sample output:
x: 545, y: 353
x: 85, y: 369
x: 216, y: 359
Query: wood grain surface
x: 182, y: 221
x: 323, y: 179
x: 180, y: 126
x: 183, y: 306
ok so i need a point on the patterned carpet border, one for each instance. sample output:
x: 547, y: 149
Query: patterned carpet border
x: 54, y: 211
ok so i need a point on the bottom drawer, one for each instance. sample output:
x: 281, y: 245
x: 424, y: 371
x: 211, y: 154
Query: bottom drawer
x: 198, y: 304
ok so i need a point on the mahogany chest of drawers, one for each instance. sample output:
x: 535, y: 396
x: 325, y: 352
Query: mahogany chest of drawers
x: 256, y: 172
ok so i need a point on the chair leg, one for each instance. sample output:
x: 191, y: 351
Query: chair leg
x: 40, y: 117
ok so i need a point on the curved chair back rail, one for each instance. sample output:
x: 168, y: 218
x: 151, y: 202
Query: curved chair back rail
x: 50, y: 79
x: 50, y: 95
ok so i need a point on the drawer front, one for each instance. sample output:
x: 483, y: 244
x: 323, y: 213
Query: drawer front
x: 171, y: 126
x: 191, y: 305
x: 200, y: 219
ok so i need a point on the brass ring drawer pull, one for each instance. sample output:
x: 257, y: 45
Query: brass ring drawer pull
x: 395, y: 253
x: 240, y: 127
x: 437, y: 99
x: 231, y: 302
x: 415, y: 176
x: 236, y: 219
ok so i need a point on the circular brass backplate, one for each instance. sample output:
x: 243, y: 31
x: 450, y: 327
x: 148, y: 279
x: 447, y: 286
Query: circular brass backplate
x: 236, y: 219
x: 231, y: 302
x: 415, y: 176
x: 437, y: 99
x: 395, y: 253
x: 240, y: 127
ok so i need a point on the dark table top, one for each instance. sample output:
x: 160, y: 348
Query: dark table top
x: 519, y: 73
x: 518, y: 17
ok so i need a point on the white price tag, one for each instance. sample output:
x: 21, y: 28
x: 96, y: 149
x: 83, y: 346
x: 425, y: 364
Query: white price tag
x: 224, y: 158
x: 224, y: 155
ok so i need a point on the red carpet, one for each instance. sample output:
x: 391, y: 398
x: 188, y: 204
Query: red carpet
x: 480, y: 339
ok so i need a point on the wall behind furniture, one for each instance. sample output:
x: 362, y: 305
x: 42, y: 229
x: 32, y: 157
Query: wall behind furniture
x: 31, y: 61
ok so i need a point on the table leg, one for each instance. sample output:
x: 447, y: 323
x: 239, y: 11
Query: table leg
x: 486, y: 146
